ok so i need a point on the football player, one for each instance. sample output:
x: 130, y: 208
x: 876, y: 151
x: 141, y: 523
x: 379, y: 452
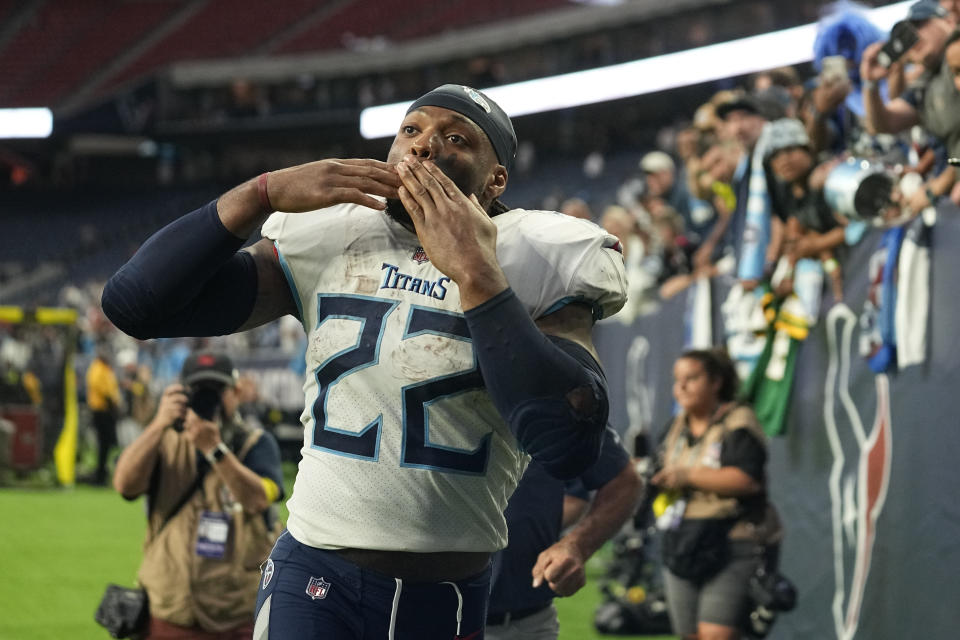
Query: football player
x: 539, y: 564
x: 449, y: 337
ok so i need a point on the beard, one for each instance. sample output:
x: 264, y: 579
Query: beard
x: 462, y: 176
x: 398, y: 213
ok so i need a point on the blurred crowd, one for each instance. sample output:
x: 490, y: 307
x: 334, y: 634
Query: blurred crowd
x: 308, y: 93
x: 744, y: 185
x: 793, y: 169
x: 119, y: 380
x: 769, y: 183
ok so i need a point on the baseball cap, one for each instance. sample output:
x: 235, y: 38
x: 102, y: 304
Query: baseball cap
x: 656, y: 161
x: 483, y: 111
x: 924, y: 10
x: 742, y: 102
x: 769, y: 104
x: 207, y: 366
x: 784, y: 134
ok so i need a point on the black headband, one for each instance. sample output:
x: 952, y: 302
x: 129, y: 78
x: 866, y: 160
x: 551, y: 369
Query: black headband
x: 483, y: 111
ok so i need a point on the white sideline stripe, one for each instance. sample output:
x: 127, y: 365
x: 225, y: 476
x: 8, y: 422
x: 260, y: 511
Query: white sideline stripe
x: 639, y: 77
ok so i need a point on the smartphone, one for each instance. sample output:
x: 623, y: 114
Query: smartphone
x: 902, y: 38
x: 834, y: 69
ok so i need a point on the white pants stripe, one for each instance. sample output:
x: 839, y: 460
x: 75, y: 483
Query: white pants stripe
x: 393, y: 611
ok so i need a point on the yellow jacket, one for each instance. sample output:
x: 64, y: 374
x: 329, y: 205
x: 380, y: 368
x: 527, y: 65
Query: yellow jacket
x: 103, y: 392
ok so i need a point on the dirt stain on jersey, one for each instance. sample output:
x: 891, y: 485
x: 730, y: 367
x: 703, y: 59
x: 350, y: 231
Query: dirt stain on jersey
x: 335, y: 336
x: 429, y: 356
x: 361, y: 269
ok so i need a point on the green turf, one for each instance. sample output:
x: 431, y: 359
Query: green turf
x: 61, y: 548
x: 576, y: 612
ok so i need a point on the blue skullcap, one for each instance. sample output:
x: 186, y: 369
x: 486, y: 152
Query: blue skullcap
x: 483, y: 111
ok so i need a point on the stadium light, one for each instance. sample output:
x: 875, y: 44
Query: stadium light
x: 26, y: 123
x: 629, y: 79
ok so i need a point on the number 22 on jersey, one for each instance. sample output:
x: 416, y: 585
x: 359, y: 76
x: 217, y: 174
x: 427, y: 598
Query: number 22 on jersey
x: 417, y: 450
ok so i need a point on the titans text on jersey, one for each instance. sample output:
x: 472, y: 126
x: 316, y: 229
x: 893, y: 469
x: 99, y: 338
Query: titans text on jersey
x: 395, y: 279
x: 403, y: 449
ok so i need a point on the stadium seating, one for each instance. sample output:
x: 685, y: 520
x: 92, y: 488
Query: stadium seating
x: 222, y: 28
x: 128, y: 23
x: 64, y: 46
x: 399, y: 20
x: 362, y: 19
x: 42, y: 42
x: 84, y: 237
x: 463, y: 12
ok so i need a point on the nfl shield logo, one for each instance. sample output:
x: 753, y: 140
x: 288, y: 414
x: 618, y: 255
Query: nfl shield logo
x: 318, y: 588
x: 268, y: 572
x: 419, y: 256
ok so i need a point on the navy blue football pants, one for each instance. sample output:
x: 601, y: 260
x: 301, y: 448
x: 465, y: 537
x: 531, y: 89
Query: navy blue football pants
x: 308, y: 593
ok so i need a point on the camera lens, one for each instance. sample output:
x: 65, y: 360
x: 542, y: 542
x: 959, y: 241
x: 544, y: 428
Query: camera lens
x: 761, y: 620
x: 205, y: 400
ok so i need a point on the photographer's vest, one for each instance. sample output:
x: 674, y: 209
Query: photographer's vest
x: 758, y: 524
x: 185, y: 587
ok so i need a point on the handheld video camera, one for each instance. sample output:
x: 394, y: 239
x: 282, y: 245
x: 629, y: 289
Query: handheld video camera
x: 902, y: 37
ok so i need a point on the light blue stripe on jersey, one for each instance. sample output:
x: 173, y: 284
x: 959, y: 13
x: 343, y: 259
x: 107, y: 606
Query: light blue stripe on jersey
x: 595, y: 308
x: 289, y: 275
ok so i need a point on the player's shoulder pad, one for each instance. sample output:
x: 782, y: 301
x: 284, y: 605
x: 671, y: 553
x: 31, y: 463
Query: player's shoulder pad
x: 551, y: 259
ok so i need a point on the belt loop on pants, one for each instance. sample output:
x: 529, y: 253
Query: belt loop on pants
x: 504, y: 618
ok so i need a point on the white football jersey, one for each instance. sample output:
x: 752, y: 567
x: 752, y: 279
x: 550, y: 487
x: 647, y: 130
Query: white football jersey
x: 403, y: 449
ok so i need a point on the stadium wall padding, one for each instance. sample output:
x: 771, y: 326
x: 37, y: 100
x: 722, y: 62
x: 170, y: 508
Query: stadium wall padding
x: 843, y: 493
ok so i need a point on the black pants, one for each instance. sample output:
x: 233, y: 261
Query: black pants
x: 105, y: 424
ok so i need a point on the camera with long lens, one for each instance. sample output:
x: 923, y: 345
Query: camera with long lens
x: 771, y: 592
x: 859, y: 189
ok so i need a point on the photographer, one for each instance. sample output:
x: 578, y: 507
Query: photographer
x: 210, y: 483
x: 716, y: 516
x: 933, y: 102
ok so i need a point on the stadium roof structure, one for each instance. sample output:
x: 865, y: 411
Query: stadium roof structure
x: 693, y: 66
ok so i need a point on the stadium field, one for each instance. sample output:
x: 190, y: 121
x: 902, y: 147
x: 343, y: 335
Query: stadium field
x: 61, y: 547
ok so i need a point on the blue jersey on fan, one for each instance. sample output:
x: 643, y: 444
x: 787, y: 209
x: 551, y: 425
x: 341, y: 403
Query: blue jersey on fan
x: 878, y: 338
